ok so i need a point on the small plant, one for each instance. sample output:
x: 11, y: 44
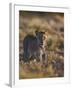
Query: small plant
x: 50, y: 44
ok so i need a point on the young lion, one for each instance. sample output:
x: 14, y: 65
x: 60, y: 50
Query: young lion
x: 34, y: 46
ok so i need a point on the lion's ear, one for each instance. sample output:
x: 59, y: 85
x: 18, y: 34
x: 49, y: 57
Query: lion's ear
x: 36, y: 32
x: 43, y: 32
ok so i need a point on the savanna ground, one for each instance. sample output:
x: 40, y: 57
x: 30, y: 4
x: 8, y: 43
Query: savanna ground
x: 53, y: 24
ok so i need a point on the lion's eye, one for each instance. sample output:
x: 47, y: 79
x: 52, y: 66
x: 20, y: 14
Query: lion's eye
x: 43, y: 37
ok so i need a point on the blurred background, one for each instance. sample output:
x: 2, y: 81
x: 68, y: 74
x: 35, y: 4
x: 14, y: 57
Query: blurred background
x: 53, y: 24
